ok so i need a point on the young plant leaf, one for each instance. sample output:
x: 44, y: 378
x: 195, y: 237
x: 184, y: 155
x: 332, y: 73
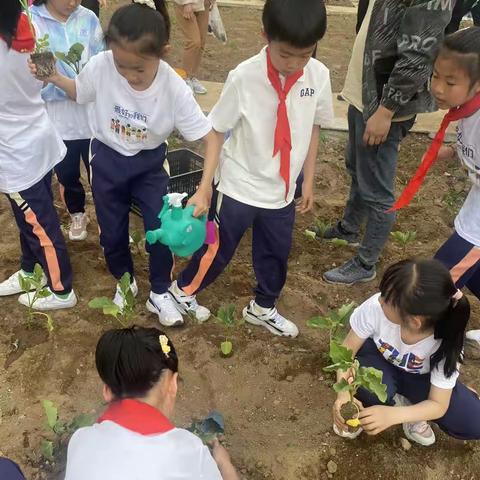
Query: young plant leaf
x: 340, y: 354
x: 46, y: 449
x: 100, y: 302
x: 113, y: 310
x: 310, y: 234
x: 51, y: 412
x: 342, y: 386
x: 371, y: 379
x: 339, y: 242
x: 320, y: 322
x: 125, y: 283
x: 25, y: 283
x: 50, y: 324
x: 226, y: 315
x: 44, y: 293
x: 226, y: 348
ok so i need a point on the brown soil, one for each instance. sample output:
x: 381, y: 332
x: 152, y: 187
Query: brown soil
x: 45, y: 63
x: 278, y: 424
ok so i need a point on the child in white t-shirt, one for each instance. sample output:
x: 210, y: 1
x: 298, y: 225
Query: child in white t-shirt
x: 273, y: 104
x: 413, y: 331
x: 134, y: 437
x: 138, y: 101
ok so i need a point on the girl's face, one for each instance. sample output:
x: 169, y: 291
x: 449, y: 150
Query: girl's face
x: 138, y: 70
x: 62, y: 9
x: 451, y: 85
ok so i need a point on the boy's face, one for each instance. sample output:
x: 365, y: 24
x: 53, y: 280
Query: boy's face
x: 451, y: 85
x: 288, y: 59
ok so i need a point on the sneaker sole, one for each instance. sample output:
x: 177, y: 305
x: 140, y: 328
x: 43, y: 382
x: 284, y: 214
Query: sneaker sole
x: 181, y: 309
x: 152, y: 309
x: 363, y: 280
x: 424, y: 442
x: 254, y: 321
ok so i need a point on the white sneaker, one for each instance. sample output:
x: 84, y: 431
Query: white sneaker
x: 196, y: 86
x: 349, y: 435
x: 118, y: 298
x: 188, y: 303
x: 270, y: 319
x: 471, y: 335
x: 78, y: 227
x: 11, y: 286
x: 164, y: 306
x: 52, y: 302
x: 418, y: 432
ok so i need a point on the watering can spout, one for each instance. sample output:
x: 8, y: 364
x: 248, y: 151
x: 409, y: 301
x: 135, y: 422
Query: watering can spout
x: 153, y: 236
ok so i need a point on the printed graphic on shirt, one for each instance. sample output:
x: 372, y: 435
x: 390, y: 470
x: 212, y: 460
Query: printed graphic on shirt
x: 130, y: 126
x: 307, y: 92
x: 409, y: 362
x: 469, y: 158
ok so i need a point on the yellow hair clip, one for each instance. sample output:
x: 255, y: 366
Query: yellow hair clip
x: 164, y: 344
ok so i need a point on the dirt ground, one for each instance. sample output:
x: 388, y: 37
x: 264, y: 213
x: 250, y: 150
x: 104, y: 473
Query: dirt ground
x: 278, y: 423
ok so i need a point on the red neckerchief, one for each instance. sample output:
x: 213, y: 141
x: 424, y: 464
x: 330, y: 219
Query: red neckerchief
x: 24, y: 40
x: 137, y: 416
x: 282, y: 140
x: 454, y: 114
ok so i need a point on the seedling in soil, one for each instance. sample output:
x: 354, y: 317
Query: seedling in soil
x: 73, y: 57
x: 109, y: 308
x: 321, y: 227
x: 59, y: 429
x: 226, y: 316
x: 404, y: 239
x: 334, y: 321
x: 138, y: 241
x: 32, y: 285
x: 339, y: 242
x: 366, y: 377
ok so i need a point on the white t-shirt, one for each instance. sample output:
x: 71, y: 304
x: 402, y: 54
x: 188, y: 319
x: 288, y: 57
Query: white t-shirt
x: 107, y: 451
x: 29, y: 144
x: 248, y: 105
x: 467, y: 223
x: 129, y: 121
x: 369, y: 321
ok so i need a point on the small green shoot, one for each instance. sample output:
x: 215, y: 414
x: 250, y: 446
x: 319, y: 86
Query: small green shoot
x: 32, y: 285
x: 227, y: 316
x: 310, y: 234
x: 42, y: 44
x: 138, y: 241
x: 339, y: 242
x: 404, y: 239
x: 334, y: 321
x: 107, y: 306
x: 320, y: 227
x: 73, y: 57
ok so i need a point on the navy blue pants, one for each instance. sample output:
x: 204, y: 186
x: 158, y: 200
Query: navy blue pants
x: 117, y: 181
x: 463, y: 260
x: 41, y: 237
x: 272, y: 240
x: 68, y: 174
x: 462, y: 419
x: 10, y: 470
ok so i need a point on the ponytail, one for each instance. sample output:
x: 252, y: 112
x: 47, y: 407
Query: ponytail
x: 451, y: 330
x: 10, y: 11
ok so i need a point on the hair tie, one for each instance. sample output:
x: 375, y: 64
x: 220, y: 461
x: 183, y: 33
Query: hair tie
x: 163, y: 340
x: 456, y: 297
x: 148, y: 3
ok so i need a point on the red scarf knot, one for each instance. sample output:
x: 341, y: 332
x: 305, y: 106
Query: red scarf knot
x: 24, y: 39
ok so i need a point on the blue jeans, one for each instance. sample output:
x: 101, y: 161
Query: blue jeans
x: 372, y: 193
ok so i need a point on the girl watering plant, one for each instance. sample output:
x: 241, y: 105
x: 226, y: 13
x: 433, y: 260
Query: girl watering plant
x: 75, y: 35
x: 30, y: 147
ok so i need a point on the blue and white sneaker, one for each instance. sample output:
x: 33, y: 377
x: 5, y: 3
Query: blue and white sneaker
x: 350, y: 273
x: 164, y: 306
x: 270, y: 319
x: 187, y: 304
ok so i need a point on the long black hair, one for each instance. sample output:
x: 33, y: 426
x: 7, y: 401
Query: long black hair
x: 425, y: 288
x: 130, y: 361
x: 10, y: 11
x: 138, y: 23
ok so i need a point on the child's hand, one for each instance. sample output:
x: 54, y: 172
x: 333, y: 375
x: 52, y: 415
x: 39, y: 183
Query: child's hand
x: 342, y: 399
x: 378, y: 126
x: 188, y: 12
x: 201, y: 200
x: 376, y: 419
x: 306, y: 202
x: 33, y: 71
x: 220, y: 453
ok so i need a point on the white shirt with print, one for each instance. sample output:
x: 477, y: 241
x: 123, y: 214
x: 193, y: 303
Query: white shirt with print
x: 248, y: 105
x: 128, y: 120
x: 369, y: 321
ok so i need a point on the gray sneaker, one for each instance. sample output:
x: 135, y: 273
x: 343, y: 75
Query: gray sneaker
x: 336, y: 231
x: 350, y: 273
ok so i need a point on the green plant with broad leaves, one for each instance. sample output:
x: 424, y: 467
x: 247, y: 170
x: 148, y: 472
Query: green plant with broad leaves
x: 58, y: 429
x: 226, y: 315
x: 334, y: 321
x: 107, y: 306
x: 404, y: 239
x: 32, y: 285
x: 370, y: 378
x: 73, y: 57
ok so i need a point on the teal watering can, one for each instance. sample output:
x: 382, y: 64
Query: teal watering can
x: 181, y: 231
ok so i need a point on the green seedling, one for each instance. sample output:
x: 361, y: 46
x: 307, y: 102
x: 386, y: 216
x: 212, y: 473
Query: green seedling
x: 32, y: 285
x: 366, y: 377
x: 138, y: 241
x: 42, y: 43
x: 310, y: 234
x: 334, y: 321
x: 58, y: 429
x: 73, y: 57
x: 107, y: 306
x: 321, y: 227
x: 226, y: 315
x: 339, y: 242
x: 404, y: 239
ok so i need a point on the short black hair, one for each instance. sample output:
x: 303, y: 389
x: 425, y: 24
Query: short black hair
x: 130, y: 361
x: 10, y: 11
x: 138, y: 23
x: 301, y: 23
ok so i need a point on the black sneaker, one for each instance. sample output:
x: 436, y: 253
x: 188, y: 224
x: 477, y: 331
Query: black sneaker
x: 337, y: 231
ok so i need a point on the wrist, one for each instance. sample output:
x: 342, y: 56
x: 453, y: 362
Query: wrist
x: 385, y: 112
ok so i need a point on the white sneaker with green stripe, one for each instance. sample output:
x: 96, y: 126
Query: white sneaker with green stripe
x: 11, y: 286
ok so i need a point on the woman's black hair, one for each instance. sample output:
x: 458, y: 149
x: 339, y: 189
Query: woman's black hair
x: 130, y: 361
x: 39, y: 2
x: 425, y: 288
x: 140, y: 24
x: 10, y: 11
x: 301, y: 23
x: 465, y: 46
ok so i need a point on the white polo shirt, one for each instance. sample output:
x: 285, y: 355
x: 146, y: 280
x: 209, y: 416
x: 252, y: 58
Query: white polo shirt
x: 248, y: 172
x: 129, y: 121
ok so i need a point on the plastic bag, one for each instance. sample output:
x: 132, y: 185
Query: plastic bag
x: 216, y: 24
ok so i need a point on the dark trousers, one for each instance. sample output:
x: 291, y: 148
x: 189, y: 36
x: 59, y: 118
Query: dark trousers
x: 68, y: 174
x: 272, y: 240
x: 41, y: 237
x: 463, y: 260
x: 10, y: 470
x: 462, y: 419
x: 117, y: 181
x: 92, y: 5
x: 372, y: 170
x: 462, y: 7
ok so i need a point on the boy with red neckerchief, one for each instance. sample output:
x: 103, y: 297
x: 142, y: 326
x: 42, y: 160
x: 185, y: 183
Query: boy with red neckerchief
x: 273, y: 104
